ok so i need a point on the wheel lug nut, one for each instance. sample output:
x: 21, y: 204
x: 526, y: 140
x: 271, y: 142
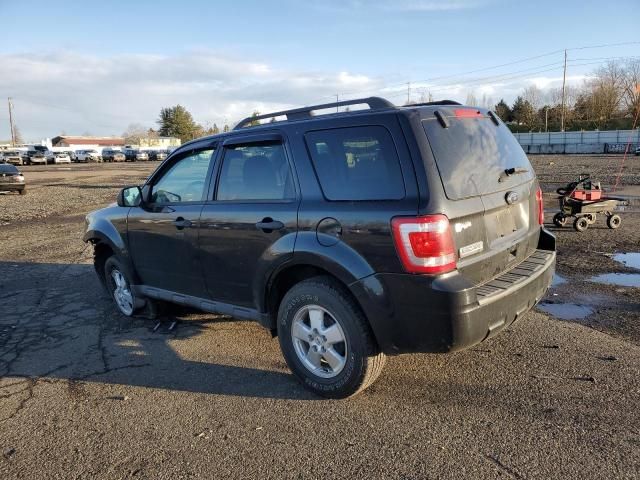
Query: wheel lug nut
x: 315, y: 348
x: 323, y: 349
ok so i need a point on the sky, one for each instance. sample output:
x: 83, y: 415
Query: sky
x: 95, y: 67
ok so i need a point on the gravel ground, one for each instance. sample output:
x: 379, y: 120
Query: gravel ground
x: 85, y: 393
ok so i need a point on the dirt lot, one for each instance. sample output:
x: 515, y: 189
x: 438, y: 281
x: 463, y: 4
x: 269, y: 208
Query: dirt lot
x: 85, y: 393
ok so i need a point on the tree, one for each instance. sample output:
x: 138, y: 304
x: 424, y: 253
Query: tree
x: 254, y: 120
x: 471, y: 99
x: 226, y: 128
x: 177, y: 122
x: 524, y: 113
x: 17, y: 136
x: 631, y: 86
x: 503, y: 111
x: 135, y: 133
x: 534, y: 96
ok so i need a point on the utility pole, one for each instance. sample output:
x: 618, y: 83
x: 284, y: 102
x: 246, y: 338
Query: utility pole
x: 408, y: 92
x: 13, y: 131
x: 337, y: 100
x: 564, y: 81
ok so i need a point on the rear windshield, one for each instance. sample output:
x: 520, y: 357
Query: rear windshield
x: 472, y: 153
x: 5, y: 168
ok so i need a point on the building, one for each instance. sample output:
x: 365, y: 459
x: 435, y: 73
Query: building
x: 75, y: 143
x: 161, y: 143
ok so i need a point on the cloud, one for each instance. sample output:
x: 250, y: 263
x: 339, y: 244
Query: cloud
x: 74, y: 93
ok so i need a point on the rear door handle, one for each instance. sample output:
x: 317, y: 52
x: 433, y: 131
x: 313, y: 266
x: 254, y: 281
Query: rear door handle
x: 181, y: 223
x: 268, y: 225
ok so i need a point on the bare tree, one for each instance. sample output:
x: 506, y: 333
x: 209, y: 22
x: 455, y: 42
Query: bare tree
x: 534, y: 96
x: 471, y: 99
x: 631, y: 85
x: 17, y: 135
x: 134, y: 133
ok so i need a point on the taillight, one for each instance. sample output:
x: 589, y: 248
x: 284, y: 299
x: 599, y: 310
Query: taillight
x: 540, y: 206
x: 467, y: 113
x: 424, y: 244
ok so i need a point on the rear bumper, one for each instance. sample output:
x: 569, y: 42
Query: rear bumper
x: 12, y: 187
x: 418, y: 313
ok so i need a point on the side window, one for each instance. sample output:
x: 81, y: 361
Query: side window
x: 356, y: 163
x: 185, y: 181
x: 255, y: 172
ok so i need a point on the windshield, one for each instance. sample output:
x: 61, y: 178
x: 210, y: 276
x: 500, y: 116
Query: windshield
x: 472, y: 153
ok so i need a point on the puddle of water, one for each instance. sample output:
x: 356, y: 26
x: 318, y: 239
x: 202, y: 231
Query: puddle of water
x: 566, y: 311
x: 620, y: 279
x: 631, y: 260
x: 558, y: 280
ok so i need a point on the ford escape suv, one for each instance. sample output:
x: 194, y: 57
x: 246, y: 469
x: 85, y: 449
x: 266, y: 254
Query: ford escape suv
x: 349, y: 235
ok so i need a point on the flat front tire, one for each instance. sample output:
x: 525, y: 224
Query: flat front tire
x: 118, y: 281
x: 326, y: 340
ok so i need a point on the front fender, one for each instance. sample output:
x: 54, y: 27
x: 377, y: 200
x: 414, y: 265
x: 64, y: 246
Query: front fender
x: 108, y: 225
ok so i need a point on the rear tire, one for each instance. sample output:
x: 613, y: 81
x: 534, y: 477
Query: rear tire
x: 326, y: 340
x: 614, y: 221
x: 581, y: 224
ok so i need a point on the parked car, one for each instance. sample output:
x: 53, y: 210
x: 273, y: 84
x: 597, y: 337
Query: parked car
x: 13, y: 157
x: 11, y: 179
x: 157, y: 155
x: 85, y: 156
x: 72, y: 154
x: 61, y: 158
x: 350, y: 235
x: 638, y: 150
x: 112, y: 155
x: 37, y: 158
x: 133, y: 155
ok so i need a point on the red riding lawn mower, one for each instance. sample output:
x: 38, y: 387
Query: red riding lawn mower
x: 584, y: 200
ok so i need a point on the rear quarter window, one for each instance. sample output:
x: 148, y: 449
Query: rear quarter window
x: 356, y: 163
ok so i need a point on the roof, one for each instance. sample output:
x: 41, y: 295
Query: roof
x: 81, y: 140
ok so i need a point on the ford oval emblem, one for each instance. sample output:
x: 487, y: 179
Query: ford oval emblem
x: 511, y: 197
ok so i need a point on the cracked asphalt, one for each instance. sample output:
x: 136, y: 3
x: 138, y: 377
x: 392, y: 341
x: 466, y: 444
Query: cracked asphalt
x: 86, y: 393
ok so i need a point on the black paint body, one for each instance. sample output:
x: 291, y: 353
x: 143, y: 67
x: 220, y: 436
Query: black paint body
x: 223, y: 262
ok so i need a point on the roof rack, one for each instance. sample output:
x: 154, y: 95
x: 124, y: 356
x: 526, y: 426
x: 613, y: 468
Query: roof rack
x: 375, y: 103
x: 438, y: 102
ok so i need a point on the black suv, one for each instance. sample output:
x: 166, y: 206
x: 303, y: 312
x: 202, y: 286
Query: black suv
x: 350, y: 235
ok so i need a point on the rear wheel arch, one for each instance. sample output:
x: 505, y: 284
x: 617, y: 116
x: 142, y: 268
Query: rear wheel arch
x: 286, y: 279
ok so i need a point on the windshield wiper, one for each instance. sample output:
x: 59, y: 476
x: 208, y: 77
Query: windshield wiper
x: 511, y: 171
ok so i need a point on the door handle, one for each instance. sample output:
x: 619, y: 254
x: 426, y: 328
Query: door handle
x: 181, y: 223
x: 268, y: 225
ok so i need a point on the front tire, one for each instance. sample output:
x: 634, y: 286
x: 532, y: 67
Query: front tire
x: 559, y: 220
x: 326, y: 340
x: 118, y: 281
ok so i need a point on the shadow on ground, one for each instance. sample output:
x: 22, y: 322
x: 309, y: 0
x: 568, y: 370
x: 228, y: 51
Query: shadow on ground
x: 57, y: 321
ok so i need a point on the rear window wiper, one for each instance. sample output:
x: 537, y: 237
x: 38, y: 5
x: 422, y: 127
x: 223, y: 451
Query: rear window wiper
x: 511, y: 171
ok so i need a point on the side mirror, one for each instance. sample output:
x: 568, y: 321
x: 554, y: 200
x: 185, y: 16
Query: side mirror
x: 130, y: 197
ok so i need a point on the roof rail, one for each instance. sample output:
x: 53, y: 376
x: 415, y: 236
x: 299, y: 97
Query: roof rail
x: 375, y: 103
x: 438, y: 102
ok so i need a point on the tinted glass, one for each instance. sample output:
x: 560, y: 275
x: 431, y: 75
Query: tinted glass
x: 473, y: 152
x: 8, y: 168
x: 255, y: 172
x: 184, y: 181
x: 356, y: 163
